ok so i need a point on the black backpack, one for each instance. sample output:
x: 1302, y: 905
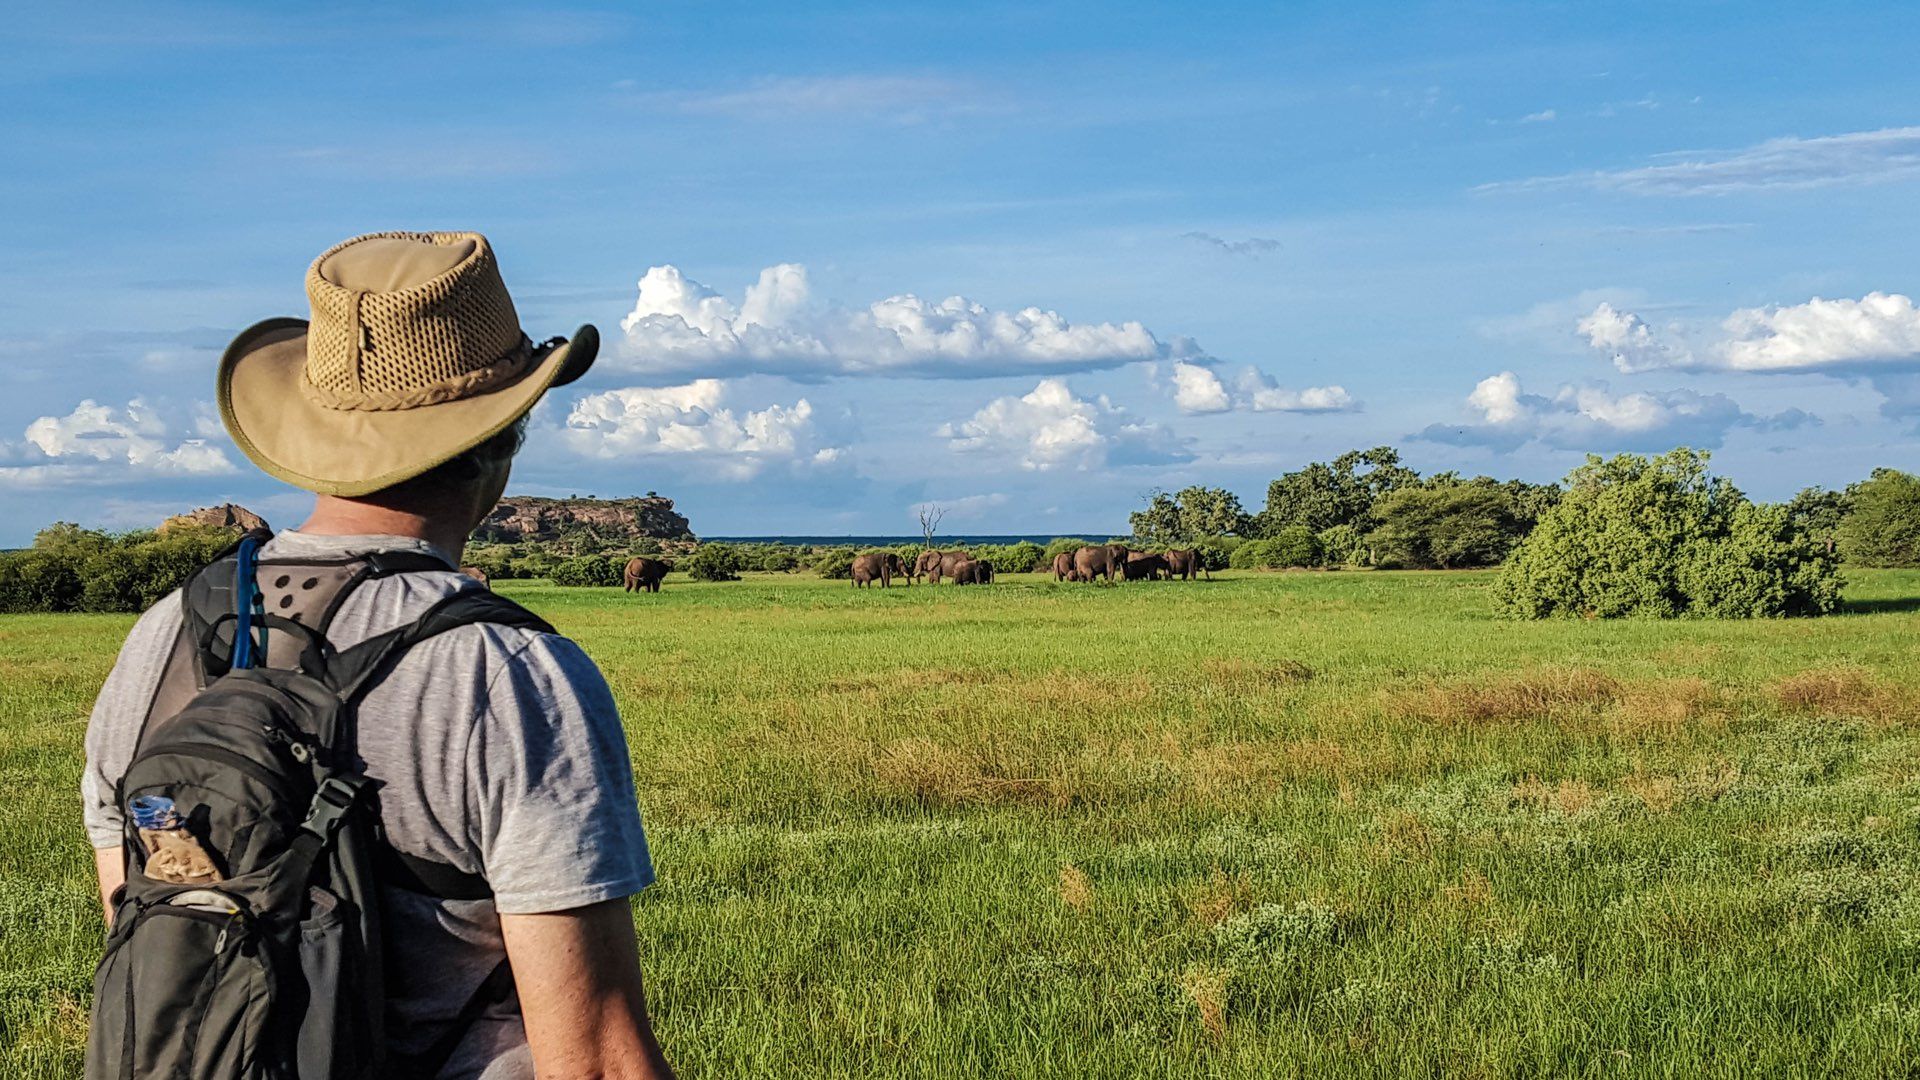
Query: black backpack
x: 275, y: 972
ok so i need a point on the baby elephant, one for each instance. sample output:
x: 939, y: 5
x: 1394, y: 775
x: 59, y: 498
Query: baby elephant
x: 645, y: 574
x: 973, y: 572
x: 1140, y: 565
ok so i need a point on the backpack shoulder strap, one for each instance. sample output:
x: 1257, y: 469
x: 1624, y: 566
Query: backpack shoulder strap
x: 354, y: 671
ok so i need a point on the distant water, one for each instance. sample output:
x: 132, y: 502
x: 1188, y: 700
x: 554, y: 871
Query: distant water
x: 943, y: 540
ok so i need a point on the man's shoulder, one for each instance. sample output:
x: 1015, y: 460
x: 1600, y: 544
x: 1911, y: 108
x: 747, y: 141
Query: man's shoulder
x: 534, y: 652
x: 162, y: 620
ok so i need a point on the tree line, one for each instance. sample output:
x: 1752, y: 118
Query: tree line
x: 1629, y: 535
x: 1367, y: 509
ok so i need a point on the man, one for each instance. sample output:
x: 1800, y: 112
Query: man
x: 498, y: 750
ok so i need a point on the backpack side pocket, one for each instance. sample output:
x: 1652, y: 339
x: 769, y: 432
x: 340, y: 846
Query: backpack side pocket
x: 184, y: 990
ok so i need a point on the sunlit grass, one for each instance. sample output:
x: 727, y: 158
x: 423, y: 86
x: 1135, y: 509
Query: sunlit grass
x: 1304, y: 823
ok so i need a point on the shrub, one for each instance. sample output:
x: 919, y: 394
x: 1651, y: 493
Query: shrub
x: 1658, y: 537
x: 494, y: 560
x: 1882, y: 527
x: 1216, y: 552
x: 1343, y: 545
x: 592, y: 571
x: 36, y: 580
x: 1295, y: 545
x: 1020, y: 558
x: 1764, y: 566
x: 713, y: 562
x: 143, y: 568
x: 534, y: 564
x: 74, y: 569
x: 835, y: 563
x: 779, y: 560
x: 1068, y: 544
x: 1444, y: 527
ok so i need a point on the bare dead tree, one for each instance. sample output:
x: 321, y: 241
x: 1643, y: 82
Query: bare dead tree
x: 930, y: 515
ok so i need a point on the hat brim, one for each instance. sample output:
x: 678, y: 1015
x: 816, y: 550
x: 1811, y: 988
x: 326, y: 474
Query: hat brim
x: 357, y: 452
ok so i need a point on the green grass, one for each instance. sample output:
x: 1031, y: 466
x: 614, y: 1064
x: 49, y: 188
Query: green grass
x: 1270, y: 825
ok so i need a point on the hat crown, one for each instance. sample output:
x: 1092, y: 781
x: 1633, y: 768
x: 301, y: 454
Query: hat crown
x: 405, y: 319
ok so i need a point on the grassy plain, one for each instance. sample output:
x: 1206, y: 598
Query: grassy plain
x: 1268, y: 825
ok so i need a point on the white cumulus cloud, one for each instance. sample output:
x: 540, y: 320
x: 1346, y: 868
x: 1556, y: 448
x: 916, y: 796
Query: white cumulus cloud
x: 692, y: 421
x: 1630, y: 340
x: 98, y: 443
x: 1589, y: 417
x: 1199, y: 389
x: 1879, y: 329
x: 1875, y: 338
x: 1051, y: 427
x: 680, y: 327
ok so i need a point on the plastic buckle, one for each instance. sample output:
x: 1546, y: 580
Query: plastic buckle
x: 337, y: 796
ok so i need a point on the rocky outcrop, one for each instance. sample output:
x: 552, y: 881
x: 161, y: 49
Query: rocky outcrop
x: 224, y: 516
x: 521, y: 518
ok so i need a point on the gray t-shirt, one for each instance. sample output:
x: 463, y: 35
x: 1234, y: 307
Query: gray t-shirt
x: 498, y: 750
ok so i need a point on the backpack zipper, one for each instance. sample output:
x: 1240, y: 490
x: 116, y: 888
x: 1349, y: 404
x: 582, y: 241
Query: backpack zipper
x: 271, y: 780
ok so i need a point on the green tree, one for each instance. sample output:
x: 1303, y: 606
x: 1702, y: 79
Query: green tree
x: 1882, y: 527
x: 1530, y: 502
x: 1445, y: 526
x: 1342, y: 492
x: 1819, y: 513
x: 1206, y: 511
x: 1192, y: 513
x: 1660, y: 537
x: 1159, y: 523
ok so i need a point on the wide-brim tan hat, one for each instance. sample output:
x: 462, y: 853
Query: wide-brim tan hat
x: 414, y: 355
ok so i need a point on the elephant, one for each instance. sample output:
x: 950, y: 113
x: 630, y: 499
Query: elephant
x: 645, y: 574
x: 478, y: 575
x: 973, y: 572
x: 1091, y: 562
x: 879, y: 566
x: 936, y: 564
x: 1063, y: 567
x: 1139, y: 565
x: 1187, y: 564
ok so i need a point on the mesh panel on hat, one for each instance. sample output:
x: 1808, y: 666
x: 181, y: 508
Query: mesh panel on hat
x: 448, y: 336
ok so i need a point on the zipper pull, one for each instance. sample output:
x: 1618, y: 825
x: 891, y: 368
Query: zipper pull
x: 295, y: 747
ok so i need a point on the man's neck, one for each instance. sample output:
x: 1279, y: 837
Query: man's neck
x: 334, y: 516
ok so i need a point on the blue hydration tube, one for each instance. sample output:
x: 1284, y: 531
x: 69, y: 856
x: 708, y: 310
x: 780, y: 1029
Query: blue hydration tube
x: 246, y: 603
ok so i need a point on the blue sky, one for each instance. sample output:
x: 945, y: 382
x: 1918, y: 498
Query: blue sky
x: 1196, y: 243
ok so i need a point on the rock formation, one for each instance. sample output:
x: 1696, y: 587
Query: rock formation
x: 224, y: 516
x: 521, y: 518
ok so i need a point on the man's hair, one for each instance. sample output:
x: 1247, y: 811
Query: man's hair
x: 459, y: 472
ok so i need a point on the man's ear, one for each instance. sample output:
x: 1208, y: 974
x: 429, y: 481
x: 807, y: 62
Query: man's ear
x: 488, y: 490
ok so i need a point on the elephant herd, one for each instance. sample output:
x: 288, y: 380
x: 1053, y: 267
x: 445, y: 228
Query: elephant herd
x: 884, y: 566
x: 1117, y: 560
x: 1085, y: 564
x: 1093, y: 561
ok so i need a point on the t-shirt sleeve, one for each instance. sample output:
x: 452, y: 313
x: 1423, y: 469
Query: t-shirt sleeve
x: 114, y: 728
x: 551, y: 787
